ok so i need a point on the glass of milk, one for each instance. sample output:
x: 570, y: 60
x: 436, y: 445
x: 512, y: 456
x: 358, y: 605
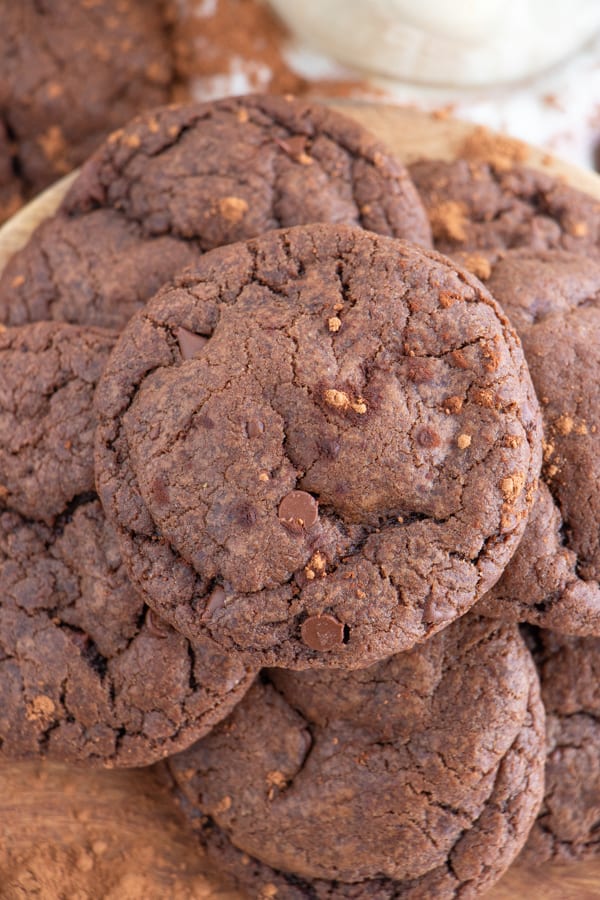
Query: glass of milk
x: 436, y: 42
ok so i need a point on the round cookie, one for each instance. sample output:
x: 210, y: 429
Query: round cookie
x: 48, y: 375
x: 479, y: 209
x: 87, y: 674
x: 184, y: 179
x: 96, y: 269
x: 71, y: 71
x: 566, y: 828
x: 553, y: 300
x: 320, y: 447
x: 253, y: 164
x: 418, y: 777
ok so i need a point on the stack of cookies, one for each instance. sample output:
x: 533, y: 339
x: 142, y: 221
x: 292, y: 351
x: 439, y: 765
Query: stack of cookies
x: 271, y: 507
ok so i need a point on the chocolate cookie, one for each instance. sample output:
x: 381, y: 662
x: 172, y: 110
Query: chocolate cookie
x: 249, y: 165
x: 96, y: 269
x: 320, y: 447
x: 184, y: 179
x: 553, y: 299
x: 419, y: 777
x: 48, y: 375
x: 73, y: 70
x: 87, y: 674
x: 567, y: 826
x: 478, y: 210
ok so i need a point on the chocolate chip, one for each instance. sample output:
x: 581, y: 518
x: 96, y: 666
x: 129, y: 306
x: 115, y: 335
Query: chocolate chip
x: 298, y: 510
x: 254, y: 428
x: 190, y: 344
x: 428, y: 437
x: 216, y: 601
x: 156, y: 626
x: 322, y: 632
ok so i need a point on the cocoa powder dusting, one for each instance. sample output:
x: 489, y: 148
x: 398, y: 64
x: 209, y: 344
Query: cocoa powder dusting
x: 235, y: 46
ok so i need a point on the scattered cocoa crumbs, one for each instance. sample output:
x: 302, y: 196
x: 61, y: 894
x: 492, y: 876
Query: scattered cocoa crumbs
x: 233, y: 46
x: 448, y: 221
x: 501, y: 151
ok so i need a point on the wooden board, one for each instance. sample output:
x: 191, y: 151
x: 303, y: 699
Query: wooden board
x: 114, y: 835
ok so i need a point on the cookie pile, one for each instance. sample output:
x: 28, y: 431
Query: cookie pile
x: 271, y: 506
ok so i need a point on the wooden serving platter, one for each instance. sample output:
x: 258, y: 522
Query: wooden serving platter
x: 73, y: 834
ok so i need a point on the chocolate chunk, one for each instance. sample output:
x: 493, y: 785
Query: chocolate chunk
x: 190, y: 344
x: 322, y: 632
x: 216, y: 601
x: 254, y: 428
x: 299, y: 510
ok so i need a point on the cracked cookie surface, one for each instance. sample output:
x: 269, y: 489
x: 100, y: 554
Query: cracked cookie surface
x: 87, y: 673
x: 566, y: 829
x: 418, y: 777
x: 320, y: 447
x: 48, y: 375
x: 478, y: 210
x: 553, y: 300
x: 96, y: 269
x: 185, y: 179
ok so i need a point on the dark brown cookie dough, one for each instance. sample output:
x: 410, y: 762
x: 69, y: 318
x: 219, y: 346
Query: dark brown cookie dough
x: 229, y: 170
x: 184, y: 179
x: 73, y: 70
x: 96, y: 269
x: 553, y: 299
x: 419, y: 777
x: 320, y: 447
x: 567, y: 826
x: 478, y: 210
x: 48, y: 375
x: 87, y: 673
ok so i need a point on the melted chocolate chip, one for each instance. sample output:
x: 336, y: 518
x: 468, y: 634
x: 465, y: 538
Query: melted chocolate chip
x: 156, y: 626
x: 190, y: 344
x: 322, y: 632
x: 254, y: 428
x: 215, y: 602
x: 298, y: 510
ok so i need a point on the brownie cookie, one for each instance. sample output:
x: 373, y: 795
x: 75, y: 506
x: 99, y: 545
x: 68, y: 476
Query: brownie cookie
x: 320, y: 447
x: 478, y: 210
x: 96, y: 269
x: 419, y: 777
x: 73, y: 70
x: 567, y: 827
x: 249, y: 165
x: 87, y: 674
x: 553, y: 300
x: 48, y: 375
x: 184, y: 179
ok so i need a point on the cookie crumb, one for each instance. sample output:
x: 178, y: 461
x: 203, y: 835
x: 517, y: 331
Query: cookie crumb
x: 564, y: 425
x: 512, y: 485
x: 41, y: 707
x: 463, y: 441
x: 338, y: 399
x: 478, y: 265
x: 334, y: 323
x: 223, y: 805
x: 448, y: 220
x: 264, y: 476
x: 233, y: 209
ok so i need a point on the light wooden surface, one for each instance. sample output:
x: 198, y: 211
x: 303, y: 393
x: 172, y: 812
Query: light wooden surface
x: 112, y: 835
